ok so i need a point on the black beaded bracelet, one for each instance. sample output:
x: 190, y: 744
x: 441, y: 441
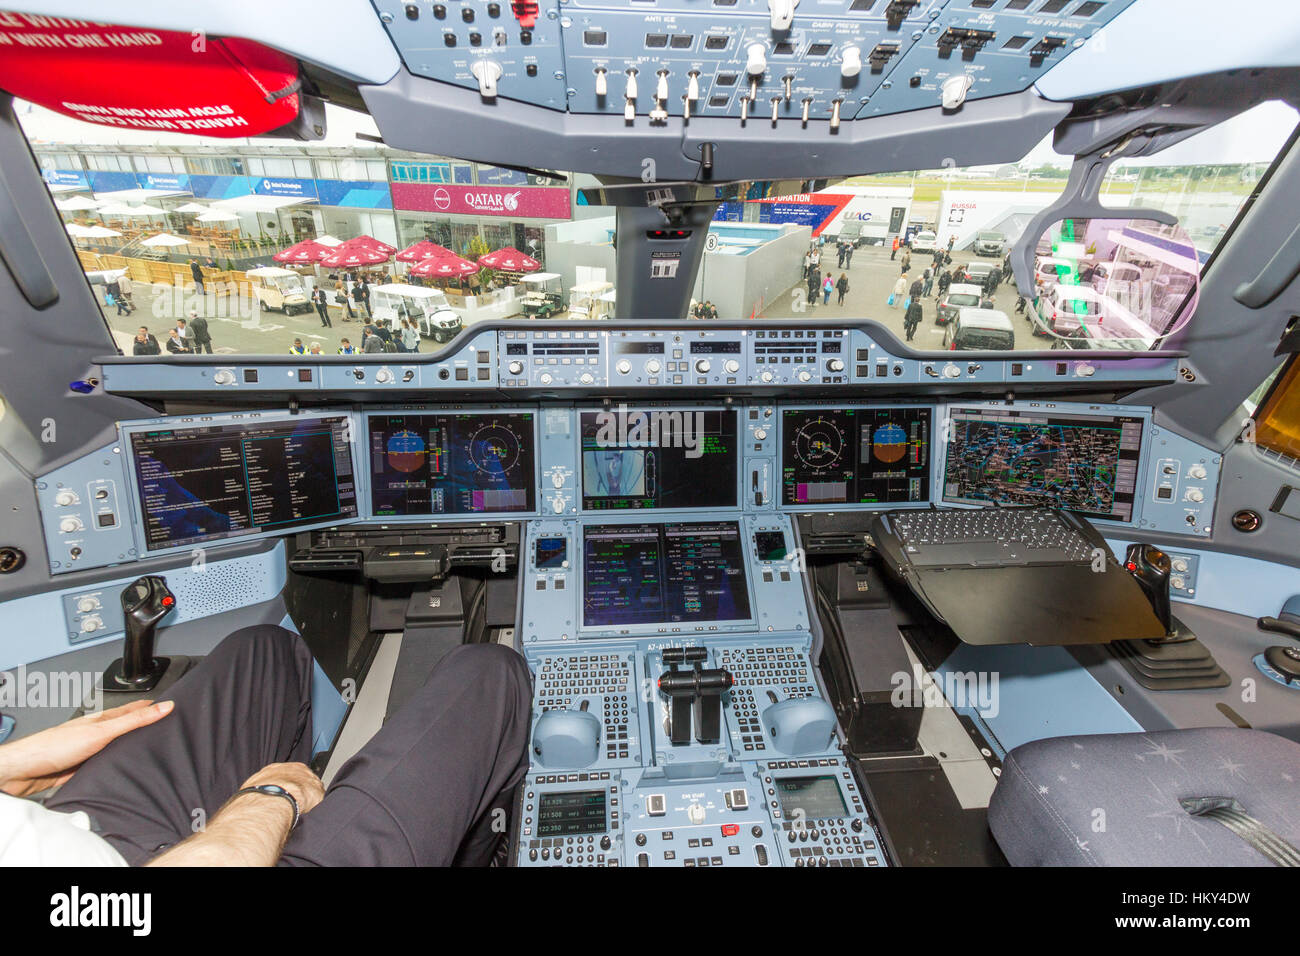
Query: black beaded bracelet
x: 275, y: 791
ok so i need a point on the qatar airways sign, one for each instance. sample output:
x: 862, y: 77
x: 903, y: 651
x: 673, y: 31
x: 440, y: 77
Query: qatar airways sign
x: 517, y: 202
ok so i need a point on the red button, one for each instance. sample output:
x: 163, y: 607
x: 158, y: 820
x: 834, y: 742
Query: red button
x: 168, y: 601
x: 730, y: 829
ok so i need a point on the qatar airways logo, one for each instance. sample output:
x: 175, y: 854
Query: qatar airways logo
x: 493, y: 202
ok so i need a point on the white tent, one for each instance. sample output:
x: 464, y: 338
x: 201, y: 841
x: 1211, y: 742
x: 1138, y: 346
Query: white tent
x: 139, y: 195
x: 76, y: 231
x: 328, y: 240
x: 260, y: 203
x: 218, y: 215
x: 191, y: 207
x: 164, y: 239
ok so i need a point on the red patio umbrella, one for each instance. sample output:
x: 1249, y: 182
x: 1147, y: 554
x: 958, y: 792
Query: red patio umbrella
x: 509, y: 260
x: 307, y: 251
x: 345, y: 256
x: 422, y: 250
x: 444, y: 267
x: 370, y: 242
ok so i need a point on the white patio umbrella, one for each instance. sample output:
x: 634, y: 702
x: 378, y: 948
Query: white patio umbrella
x: 217, y: 215
x: 76, y: 204
x: 121, y: 209
x: 164, y: 239
x: 191, y: 207
x: 76, y: 231
x: 328, y: 240
x: 96, y: 232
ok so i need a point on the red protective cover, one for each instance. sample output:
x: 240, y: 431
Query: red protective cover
x: 137, y: 78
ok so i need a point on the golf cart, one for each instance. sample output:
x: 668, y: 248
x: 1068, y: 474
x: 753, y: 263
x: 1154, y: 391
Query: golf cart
x: 586, y: 300
x: 543, y: 295
x: 427, y: 307
x: 279, y: 290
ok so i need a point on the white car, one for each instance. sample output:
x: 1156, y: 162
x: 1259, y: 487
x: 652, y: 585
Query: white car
x: 925, y: 241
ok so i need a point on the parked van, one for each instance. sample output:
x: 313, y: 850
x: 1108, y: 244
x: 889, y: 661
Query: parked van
x: 280, y: 290
x: 986, y: 329
x: 429, y: 308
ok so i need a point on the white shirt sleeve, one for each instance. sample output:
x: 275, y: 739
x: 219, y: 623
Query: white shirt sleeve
x: 31, y: 835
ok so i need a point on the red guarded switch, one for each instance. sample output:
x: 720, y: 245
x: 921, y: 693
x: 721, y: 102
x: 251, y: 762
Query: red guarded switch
x: 525, y: 12
x: 730, y: 829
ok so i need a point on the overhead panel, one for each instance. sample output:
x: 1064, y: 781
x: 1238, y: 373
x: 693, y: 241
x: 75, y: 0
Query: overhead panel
x: 775, y: 61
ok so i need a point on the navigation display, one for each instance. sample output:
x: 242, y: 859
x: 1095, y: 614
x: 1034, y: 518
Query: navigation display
x: 658, y: 458
x: 220, y: 481
x: 1082, y: 463
x: 663, y: 573
x: 855, y: 455
x: 451, y: 463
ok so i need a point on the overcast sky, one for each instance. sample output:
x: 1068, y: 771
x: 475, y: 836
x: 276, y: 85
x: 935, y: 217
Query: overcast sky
x: 1254, y: 136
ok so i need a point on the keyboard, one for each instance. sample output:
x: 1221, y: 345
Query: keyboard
x: 989, y: 537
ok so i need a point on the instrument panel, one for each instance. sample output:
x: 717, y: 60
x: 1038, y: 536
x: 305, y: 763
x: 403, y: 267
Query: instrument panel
x: 194, y: 481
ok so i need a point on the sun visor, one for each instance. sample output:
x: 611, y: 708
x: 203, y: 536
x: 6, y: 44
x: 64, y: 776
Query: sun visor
x: 150, y: 80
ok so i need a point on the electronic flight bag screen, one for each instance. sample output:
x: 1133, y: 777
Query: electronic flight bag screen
x: 855, y: 455
x: 691, y: 572
x: 452, y: 463
x: 1082, y: 463
x: 213, y: 482
x: 659, y: 458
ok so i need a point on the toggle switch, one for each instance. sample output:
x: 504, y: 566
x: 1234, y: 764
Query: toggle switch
x: 756, y: 59
x: 776, y: 103
x: 693, y: 85
x: 787, y: 82
x: 807, y: 104
x: 661, y: 86
x: 602, y: 87
x: 835, y: 113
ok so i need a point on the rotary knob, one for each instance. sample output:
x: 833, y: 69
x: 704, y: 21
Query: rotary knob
x: 557, y: 479
x: 804, y: 375
x: 546, y: 378
x: 951, y: 371
x: 623, y: 366
x: 653, y: 366
x: 732, y: 366
x: 1197, y: 471
x: 835, y: 365
x: 70, y: 524
x: 1195, y: 494
x: 760, y: 434
x: 557, y: 504
x: 586, y: 378
x: 767, y: 375
x: 224, y: 376
x: 703, y: 365
x: 87, y: 604
x: 515, y: 367
x: 66, y: 497
x: 383, y: 376
x: 91, y: 624
x: 695, y: 813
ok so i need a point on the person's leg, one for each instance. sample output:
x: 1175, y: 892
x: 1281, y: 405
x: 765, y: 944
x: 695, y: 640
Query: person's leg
x: 246, y: 705
x: 423, y: 790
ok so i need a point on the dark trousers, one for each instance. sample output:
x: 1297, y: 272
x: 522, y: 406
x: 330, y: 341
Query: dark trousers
x: 203, y: 347
x: 431, y: 788
x: 324, y: 313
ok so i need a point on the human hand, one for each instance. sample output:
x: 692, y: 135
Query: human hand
x: 299, y: 779
x: 50, y: 757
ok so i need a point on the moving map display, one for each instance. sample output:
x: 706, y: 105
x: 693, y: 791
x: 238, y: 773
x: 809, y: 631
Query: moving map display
x: 1086, y: 464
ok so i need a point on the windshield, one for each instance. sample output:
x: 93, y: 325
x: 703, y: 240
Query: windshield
x: 161, y: 205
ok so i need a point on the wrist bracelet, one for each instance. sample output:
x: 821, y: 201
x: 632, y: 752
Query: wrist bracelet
x: 273, y: 790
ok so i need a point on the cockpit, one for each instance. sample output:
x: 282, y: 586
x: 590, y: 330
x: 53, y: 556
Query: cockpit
x: 658, y: 433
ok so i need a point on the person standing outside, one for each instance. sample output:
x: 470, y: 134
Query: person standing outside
x: 913, y: 318
x: 842, y: 287
x: 321, y: 302
x: 893, y: 249
x: 200, y: 336
x: 410, y: 336
x: 900, y: 290
x: 144, y: 343
x: 196, y: 271
x: 828, y: 286
x: 928, y: 284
